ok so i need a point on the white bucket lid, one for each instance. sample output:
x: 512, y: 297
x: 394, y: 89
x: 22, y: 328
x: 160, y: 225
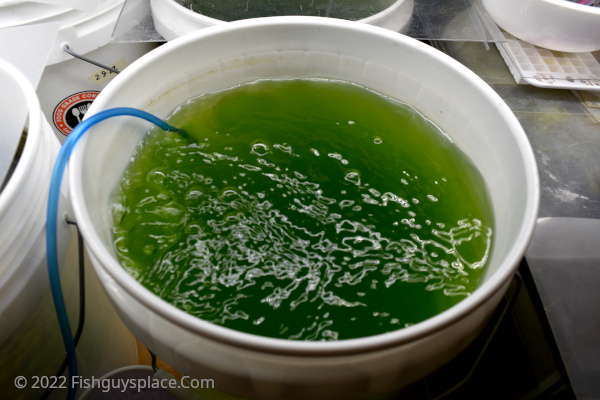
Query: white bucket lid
x: 82, y: 31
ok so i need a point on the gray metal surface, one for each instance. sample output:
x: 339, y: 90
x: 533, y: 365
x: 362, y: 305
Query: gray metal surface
x: 564, y: 258
x: 564, y: 138
x: 564, y: 254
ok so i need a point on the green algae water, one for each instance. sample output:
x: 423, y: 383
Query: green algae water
x: 303, y: 209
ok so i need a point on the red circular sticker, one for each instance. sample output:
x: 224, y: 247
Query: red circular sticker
x: 70, y: 111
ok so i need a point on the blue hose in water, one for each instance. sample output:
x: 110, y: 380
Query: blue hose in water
x: 51, y: 222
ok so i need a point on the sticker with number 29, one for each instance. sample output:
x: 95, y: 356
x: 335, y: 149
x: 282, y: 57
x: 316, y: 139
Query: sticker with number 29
x: 101, y: 76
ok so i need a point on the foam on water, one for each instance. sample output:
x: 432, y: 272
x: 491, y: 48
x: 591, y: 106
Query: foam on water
x: 262, y: 227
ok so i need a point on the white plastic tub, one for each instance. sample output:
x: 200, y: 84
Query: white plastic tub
x: 30, y: 341
x: 449, y: 94
x: 558, y: 25
x: 172, y: 20
x: 69, y: 83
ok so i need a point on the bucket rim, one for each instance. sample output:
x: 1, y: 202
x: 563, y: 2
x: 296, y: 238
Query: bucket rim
x: 33, y: 122
x: 345, y: 347
x: 575, y: 7
x: 213, y: 21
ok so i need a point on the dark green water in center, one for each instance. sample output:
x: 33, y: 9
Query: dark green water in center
x: 303, y: 209
x: 233, y: 10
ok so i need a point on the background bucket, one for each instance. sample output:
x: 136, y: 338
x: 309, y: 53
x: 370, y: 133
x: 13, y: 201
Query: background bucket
x: 30, y: 339
x: 127, y: 374
x: 446, y: 92
x: 68, y: 84
x: 172, y: 20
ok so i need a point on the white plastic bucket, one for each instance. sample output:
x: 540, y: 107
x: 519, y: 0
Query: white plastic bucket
x: 30, y: 341
x: 69, y: 84
x: 129, y: 383
x: 446, y: 92
x: 172, y: 20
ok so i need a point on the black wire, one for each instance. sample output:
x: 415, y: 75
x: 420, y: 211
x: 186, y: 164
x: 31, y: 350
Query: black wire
x: 63, y: 366
x: 153, y: 356
x: 81, y: 282
x: 71, y: 52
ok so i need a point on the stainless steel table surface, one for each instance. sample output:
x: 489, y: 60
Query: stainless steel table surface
x: 564, y: 254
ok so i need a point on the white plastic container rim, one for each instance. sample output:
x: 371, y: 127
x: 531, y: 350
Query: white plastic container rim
x: 413, y: 333
x: 23, y: 278
x: 558, y: 25
x: 35, y: 124
x: 208, y: 21
x: 571, y: 5
x: 173, y: 20
x: 19, y: 190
